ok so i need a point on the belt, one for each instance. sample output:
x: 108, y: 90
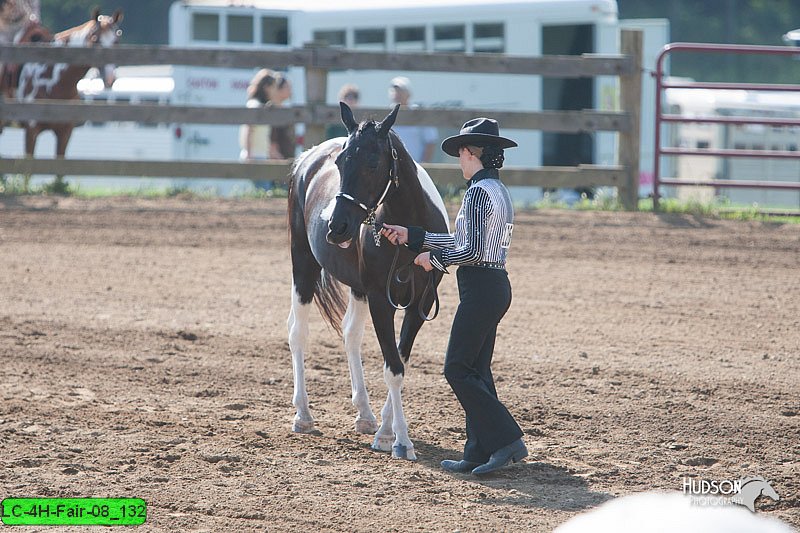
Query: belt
x: 497, y: 265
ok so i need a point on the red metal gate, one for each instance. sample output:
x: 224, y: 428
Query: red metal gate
x: 677, y: 151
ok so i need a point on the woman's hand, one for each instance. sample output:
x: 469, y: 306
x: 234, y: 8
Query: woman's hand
x: 424, y: 260
x: 395, y: 234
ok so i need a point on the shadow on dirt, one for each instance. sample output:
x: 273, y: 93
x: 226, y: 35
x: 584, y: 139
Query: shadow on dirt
x: 534, y: 484
x: 685, y: 221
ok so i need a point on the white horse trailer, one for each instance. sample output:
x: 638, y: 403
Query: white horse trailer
x: 702, y: 136
x: 514, y: 27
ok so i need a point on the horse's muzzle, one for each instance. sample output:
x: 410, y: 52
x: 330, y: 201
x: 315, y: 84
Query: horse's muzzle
x: 340, y: 240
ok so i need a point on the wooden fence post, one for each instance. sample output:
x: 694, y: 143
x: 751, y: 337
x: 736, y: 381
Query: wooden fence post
x: 316, y: 93
x: 631, y: 103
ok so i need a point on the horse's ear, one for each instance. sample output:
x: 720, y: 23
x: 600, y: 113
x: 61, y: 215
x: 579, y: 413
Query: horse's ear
x: 118, y: 16
x: 347, y: 118
x: 387, y: 123
x: 95, y: 13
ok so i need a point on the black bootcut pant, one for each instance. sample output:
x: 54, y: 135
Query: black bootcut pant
x: 485, y: 295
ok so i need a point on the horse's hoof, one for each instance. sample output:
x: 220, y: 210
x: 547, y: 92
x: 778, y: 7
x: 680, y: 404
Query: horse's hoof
x: 400, y: 451
x: 303, y: 426
x: 383, y: 443
x: 366, y: 426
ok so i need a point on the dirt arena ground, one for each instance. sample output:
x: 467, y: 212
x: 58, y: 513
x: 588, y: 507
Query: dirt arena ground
x: 144, y: 354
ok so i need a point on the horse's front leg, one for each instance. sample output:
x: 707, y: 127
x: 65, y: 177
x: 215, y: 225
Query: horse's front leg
x: 392, y: 418
x: 353, y: 331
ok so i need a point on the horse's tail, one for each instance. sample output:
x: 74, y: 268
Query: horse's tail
x: 330, y: 300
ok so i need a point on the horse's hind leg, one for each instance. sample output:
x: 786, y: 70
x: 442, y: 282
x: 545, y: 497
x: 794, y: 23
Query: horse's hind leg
x: 353, y: 330
x: 305, y: 272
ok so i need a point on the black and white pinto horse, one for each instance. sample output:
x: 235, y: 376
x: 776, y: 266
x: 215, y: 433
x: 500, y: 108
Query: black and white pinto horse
x: 340, y: 193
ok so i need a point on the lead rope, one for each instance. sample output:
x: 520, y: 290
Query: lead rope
x: 430, y: 287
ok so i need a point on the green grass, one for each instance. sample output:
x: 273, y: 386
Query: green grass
x: 719, y: 209
x: 16, y: 185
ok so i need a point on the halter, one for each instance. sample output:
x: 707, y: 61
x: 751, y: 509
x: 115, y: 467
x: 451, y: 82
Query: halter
x: 370, y: 218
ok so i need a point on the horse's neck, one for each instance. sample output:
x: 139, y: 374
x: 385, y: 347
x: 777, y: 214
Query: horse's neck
x: 408, y: 201
x: 77, y: 36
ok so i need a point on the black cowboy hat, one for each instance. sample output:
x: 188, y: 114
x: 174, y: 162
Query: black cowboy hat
x: 477, y: 132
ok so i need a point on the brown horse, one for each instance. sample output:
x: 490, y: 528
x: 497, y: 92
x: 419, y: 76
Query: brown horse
x: 60, y: 81
x: 32, y: 32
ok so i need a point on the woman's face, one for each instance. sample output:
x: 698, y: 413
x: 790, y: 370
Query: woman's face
x: 463, y: 160
x: 280, y: 95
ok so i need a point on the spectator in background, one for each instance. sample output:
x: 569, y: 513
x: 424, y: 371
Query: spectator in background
x: 282, y: 138
x: 420, y: 141
x: 349, y: 95
x: 254, y: 138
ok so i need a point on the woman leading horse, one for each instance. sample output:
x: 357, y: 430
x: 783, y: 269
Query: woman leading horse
x: 479, y: 247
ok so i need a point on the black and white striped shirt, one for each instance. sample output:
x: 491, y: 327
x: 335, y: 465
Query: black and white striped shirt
x: 483, y: 227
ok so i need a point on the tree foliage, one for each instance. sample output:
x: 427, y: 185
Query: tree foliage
x: 145, y: 20
x: 709, y: 21
x: 725, y: 21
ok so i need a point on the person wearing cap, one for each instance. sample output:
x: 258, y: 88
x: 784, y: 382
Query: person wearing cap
x: 420, y: 141
x: 350, y: 95
x: 479, y: 247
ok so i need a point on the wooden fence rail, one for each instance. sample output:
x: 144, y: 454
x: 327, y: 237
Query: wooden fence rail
x: 584, y: 66
x: 316, y: 113
x: 556, y: 121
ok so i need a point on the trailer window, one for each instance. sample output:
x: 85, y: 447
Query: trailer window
x: 275, y: 30
x: 410, y: 38
x: 372, y: 38
x: 337, y: 38
x: 205, y: 27
x: 449, y: 38
x: 567, y: 94
x: 489, y: 38
x: 240, y: 28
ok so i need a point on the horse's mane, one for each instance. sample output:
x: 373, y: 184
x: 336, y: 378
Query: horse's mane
x: 62, y: 35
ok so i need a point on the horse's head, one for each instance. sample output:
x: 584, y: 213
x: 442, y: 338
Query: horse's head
x: 106, y: 30
x: 368, y: 169
x: 35, y: 33
x: 99, y: 30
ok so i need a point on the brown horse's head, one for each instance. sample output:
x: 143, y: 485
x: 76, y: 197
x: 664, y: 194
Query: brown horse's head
x: 106, y: 30
x: 367, y: 166
x: 100, y: 30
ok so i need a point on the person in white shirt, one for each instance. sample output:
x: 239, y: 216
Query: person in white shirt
x: 420, y: 141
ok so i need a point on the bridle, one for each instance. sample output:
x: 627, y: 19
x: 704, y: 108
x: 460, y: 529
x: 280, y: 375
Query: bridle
x: 370, y: 218
x: 394, y: 272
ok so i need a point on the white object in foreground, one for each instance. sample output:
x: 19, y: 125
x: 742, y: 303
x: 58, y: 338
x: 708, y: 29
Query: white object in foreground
x: 652, y: 512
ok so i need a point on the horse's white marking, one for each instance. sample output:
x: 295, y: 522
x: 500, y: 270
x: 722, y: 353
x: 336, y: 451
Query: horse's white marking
x: 303, y: 160
x: 353, y: 329
x: 298, y: 340
x: 399, y: 424
x: 430, y: 190
x: 668, y: 512
x: 79, y: 38
x: 384, y: 437
x: 327, y: 213
x: 33, y: 77
x: 108, y: 37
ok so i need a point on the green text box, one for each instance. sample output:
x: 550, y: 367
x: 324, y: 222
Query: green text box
x: 74, y: 511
